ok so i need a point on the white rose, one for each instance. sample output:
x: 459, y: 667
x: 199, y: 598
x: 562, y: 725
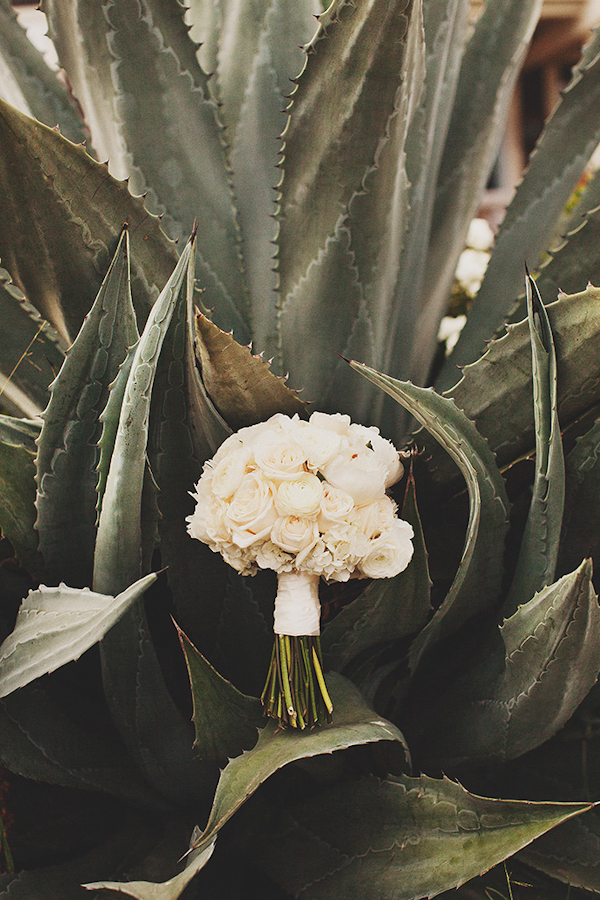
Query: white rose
x: 390, y: 553
x: 363, y: 438
x: 359, y: 474
x: 279, y: 457
x: 336, y: 506
x: 320, y: 445
x: 300, y: 497
x: 375, y: 517
x: 295, y: 535
x: 227, y: 475
x: 252, y: 512
x: 336, y: 422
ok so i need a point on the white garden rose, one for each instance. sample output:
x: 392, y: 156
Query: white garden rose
x: 359, y: 474
x: 384, y: 451
x: 336, y: 506
x: 320, y: 445
x: 295, y: 535
x: 336, y: 422
x: 375, y: 517
x: 279, y: 457
x: 300, y: 496
x: 251, y: 512
x: 227, y: 475
x: 390, y: 553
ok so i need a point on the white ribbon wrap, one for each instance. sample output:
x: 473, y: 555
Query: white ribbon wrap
x: 297, y: 607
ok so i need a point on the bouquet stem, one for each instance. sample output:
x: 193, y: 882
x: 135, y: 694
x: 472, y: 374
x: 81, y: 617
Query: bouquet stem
x: 295, y: 692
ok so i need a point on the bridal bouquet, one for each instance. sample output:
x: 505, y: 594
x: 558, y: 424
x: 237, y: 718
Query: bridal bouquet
x: 306, y: 499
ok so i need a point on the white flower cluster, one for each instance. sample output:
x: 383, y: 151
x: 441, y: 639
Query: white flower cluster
x: 294, y: 496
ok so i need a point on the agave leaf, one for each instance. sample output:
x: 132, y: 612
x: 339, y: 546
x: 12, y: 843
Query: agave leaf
x: 260, y: 50
x: 167, y: 890
x: 118, y: 543
x: 495, y: 392
x: 30, y: 350
x: 121, y: 59
x: 536, y: 563
x: 185, y: 429
x: 518, y: 688
x: 42, y: 93
x: 581, y: 525
x: 226, y: 720
x: 241, y: 385
x: 41, y: 741
x: 445, y: 28
x: 570, y: 853
x: 17, y: 500
x: 577, y: 253
x: 354, y: 724
x: 489, y: 69
x: 78, y: 31
x: 158, y: 85
x: 20, y: 431
x: 151, y: 725
x: 401, y: 838
x: 344, y: 161
x: 133, y: 842
x: 389, y: 608
x: 58, y: 200
x: 478, y: 580
x: 55, y: 626
x: 564, y: 149
x: 67, y: 446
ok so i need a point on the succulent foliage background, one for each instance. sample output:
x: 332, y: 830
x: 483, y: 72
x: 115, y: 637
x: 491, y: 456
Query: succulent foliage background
x: 333, y: 172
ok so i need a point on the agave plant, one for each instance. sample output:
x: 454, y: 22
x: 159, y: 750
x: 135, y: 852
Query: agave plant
x: 331, y: 211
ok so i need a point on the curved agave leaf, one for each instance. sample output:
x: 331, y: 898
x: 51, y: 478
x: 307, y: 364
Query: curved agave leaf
x: 581, y: 523
x: 226, y: 721
x: 56, y: 625
x: 401, y: 838
x: 555, y: 167
x: 478, y: 580
x: 20, y: 431
x: 522, y: 685
x: 536, y: 563
x: 31, y: 352
x: 490, y: 66
x: 344, y: 175
x: 495, y: 392
x: 241, y: 385
x: 389, y: 608
x: 168, y: 890
x: 67, y: 446
x: 57, y: 199
x: 41, y: 741
x: 42, y: 94
x: 354, y: 724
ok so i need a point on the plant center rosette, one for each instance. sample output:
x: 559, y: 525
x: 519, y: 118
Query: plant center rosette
x: 308, y: 500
